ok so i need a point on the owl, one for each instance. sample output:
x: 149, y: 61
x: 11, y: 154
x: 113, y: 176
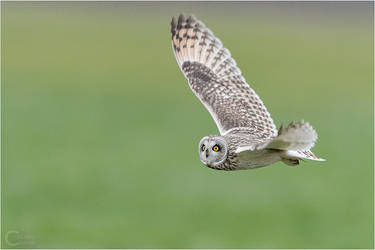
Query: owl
x: 248, y: 136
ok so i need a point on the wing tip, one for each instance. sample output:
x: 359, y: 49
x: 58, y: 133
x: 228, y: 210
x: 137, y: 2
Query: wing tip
x: 173, y: 25
x: 182, y: 18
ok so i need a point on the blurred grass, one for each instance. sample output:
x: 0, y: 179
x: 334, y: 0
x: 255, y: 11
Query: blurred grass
x: 100, y: 128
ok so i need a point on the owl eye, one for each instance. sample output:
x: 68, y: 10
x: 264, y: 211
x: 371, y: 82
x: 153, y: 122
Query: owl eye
x: 216, y: 148
x: 203, y: 147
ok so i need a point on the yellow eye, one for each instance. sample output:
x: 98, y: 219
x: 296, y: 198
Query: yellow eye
x: 203, y: 147
x: 216, y: 148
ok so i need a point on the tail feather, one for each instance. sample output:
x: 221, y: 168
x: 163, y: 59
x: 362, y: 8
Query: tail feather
x: 299, y: 155
x: 292, y: 158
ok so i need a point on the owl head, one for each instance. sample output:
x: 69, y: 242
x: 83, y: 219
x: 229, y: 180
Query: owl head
x: 213, y: 150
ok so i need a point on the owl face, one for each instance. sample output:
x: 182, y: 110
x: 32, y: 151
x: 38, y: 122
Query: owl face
x: 213, y: 150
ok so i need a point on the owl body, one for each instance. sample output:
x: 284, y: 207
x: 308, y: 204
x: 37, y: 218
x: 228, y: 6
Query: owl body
x: 231, y: 160
x: 248, y: 136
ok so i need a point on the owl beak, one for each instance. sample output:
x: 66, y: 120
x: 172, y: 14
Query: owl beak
x: 206, y: 153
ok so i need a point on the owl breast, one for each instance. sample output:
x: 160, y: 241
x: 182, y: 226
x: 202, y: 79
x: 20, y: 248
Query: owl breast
x: 231, y: 163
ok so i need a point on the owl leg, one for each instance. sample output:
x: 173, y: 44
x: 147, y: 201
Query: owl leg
x: 290, y: 162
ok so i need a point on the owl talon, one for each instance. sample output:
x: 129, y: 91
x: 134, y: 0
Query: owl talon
x: 290, y: 162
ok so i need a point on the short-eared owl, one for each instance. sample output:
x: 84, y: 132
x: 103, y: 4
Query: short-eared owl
x: 248, y: 137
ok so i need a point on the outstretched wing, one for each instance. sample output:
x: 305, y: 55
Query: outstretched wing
x: 298, y: 136
x: 217, y: 81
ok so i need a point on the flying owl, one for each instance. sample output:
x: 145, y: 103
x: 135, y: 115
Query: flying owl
x: 248, y: 136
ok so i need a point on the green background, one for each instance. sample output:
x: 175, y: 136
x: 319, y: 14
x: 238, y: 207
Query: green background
x: 100, y: 129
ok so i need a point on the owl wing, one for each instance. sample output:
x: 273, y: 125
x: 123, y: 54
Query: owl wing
x: 297, y: 136
x: 216, y: 80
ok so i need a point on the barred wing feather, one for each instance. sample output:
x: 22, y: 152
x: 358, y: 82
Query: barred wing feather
x: 216, y: 80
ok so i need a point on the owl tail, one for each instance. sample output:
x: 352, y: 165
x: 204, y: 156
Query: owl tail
x: 295, y: 140
x: 292, y: 158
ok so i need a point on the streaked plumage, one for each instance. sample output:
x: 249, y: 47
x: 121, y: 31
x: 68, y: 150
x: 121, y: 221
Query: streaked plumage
x: 249, y: 138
